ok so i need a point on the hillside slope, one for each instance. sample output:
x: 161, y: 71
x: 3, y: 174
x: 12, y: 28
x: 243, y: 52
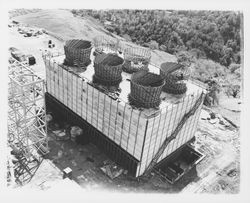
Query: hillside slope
x: 61, y: 22
x: 65, y: 25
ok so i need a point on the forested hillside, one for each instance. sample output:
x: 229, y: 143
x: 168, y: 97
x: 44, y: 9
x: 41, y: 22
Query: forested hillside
x: 205, y: 34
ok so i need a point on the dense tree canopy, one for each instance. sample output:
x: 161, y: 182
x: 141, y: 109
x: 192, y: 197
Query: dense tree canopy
x: 206, y: 34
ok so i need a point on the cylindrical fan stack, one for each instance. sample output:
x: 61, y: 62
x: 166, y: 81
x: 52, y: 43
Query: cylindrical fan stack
x: 77, y: 52
x: 174, y: 75
x: 146, y: 89
x: 105, y: 45
x: 108, y: 69
x: 136, y: 59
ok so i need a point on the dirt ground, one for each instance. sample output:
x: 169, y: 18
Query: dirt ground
x: 218, y: 172
x: 230, y: 108
x: 33, y: 45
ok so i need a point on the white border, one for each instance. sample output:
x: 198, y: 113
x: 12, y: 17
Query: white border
x: 65, y: 194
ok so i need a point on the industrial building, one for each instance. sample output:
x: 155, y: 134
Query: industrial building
x: 137, y: 136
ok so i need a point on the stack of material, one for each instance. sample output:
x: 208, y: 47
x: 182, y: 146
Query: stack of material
x: 77, y: 52
x: 174, y: 75
x: 108, y: 69
x: 105, y: 45
x: 136, y: 59
x: 146, y: 89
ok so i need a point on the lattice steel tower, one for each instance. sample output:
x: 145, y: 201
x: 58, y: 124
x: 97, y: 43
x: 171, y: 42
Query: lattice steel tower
x: 27, y: 128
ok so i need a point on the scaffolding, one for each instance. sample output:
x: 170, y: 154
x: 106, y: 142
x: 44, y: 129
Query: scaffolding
x: 27, y: 129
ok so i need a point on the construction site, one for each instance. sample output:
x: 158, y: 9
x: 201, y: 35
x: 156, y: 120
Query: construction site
x: 100, y: 114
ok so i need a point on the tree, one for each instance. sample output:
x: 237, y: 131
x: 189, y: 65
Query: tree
x: 227, y: 56
x: 185, y: 58
x: 127, y: 37
x: 153, y: 45
x: 163, y: 48
x: 216, y: 34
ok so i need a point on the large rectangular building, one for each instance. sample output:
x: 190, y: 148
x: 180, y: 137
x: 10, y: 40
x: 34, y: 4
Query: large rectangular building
x: 138, y: 132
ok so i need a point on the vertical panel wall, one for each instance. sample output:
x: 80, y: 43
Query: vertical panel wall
x: 79, y: 97
x: 55, y: 80
x: 65, y: 88
x: 84, y: 100
x: 74, y: 93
